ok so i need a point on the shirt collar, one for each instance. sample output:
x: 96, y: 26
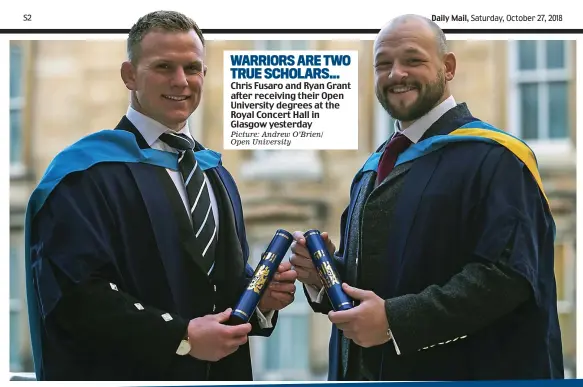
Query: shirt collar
x: 149, y: 128
x: 419, y: 127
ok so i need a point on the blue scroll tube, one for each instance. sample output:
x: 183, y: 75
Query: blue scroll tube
x: 262, y: 276
x: 326, y: 271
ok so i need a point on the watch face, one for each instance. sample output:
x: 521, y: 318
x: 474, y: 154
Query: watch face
x: 183, y: 348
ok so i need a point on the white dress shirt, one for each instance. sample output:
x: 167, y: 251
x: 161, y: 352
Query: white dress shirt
x: 418, y: 128
x: 151, y: 130
x: 414, y: 132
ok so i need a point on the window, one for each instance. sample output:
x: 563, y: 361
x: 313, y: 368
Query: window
x: 540, y: 77
x: 565, y: 279
x: 277, y: 164
x: 17, y: 305
x: 287, y: 351
x: 286, y: 354
x: 282, y: 45
x: 565, y: 276
x: 16, y: 107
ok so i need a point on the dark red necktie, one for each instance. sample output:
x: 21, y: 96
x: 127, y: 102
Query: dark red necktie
x: 394, y: 148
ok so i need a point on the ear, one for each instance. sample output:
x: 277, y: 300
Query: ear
x: 449, y: 63
x: 204, y: 70
x: 128, y: 75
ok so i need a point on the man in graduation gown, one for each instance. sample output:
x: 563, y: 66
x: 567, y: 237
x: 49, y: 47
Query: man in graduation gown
x: 447, y: 243
x: 135, y: 241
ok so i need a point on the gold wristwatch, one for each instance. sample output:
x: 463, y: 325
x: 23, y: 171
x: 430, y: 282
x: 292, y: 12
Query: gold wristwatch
x: 184, y: 347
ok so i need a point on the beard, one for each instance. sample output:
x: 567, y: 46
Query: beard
x: 428, y: 96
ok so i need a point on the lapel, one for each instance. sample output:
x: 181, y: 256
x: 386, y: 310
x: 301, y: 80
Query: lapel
x: 411, y: 195
x: 159, y: 201
x: 358, y: 183
x: 354, y: 194
x: 171, y: 249
x: 361, y: 193
x: 405, y: 213
x: 236, y: 207
x: 229, y: 261
x: 396, y: 172
x: 126, y: 124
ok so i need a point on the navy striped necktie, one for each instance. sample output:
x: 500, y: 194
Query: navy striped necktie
x: 203, y: 221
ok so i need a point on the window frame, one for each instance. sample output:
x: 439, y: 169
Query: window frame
x: 566, y: 305
x: 273, y: 164
x: 17, y: 303
x: 257, y: 245
x: 542, y: 76
x: 22, y: 169
x: 18, y: 103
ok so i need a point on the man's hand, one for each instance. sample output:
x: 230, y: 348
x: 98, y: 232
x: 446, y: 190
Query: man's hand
x: 365, y: 324
x: 281, y: 290
x: 302, y: 261
x: 211, y: 340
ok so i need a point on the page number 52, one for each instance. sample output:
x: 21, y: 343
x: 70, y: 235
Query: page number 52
x: 27, y: 17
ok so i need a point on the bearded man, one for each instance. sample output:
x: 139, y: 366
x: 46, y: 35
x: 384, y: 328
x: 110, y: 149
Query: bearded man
x: 447, y: 244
